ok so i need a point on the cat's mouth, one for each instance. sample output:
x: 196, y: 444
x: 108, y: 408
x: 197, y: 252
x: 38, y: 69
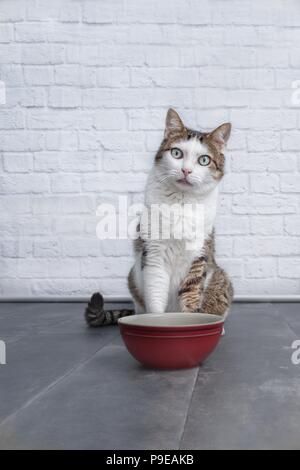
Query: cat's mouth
x: 184, y: 182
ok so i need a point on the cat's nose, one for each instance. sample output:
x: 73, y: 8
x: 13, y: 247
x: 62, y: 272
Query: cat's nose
x: 186, y: 171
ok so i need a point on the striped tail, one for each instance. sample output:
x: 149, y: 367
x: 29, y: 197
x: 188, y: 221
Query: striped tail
x: 95, y: 315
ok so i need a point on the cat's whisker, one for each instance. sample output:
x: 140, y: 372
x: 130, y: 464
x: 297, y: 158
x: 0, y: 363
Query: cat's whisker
x: 165, y: 178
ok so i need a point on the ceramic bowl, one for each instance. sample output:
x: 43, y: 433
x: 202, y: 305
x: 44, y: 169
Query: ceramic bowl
x: 171, y: 340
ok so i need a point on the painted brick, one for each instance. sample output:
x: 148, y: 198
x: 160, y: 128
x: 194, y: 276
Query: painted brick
x: 39, y: 54
x: 235, y: 183
x: 292, y: 225
x: 80, y: 204
x: 266, y: 246
x: 21, y: 141
x: 87, y: 87
x: 75, y: 75
x: 38, y: 75
x: 12, y: 10
x: 17, y: 162
x: 17, y: 248
x: 47, y: 248
x: 15, y: 205
x: 65, y: 183
x: 23, y: 184
x: 290, y: 183
x: 290, y: 141
x: 289, y: 267
x: 31, y: 32
x: 12, y: 120
x: 61, y: 140
x: 261, y: 268
x: 264, y: 183
x: 118, y: 162
x: 112, y: 182
x: 6, y: 33
x: 64, y: 97
x: 59, y: 119
x: 268, y: 224
x: 81, y: 247
x: 115, y: 266
x: 12, y: 75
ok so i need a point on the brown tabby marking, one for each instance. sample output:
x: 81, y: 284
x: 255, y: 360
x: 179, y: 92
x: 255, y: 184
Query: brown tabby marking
x: 139, y: 246
x: 218, y: 159
x: 191, y: 290
x: 217, y: 296
x: 169, y: 141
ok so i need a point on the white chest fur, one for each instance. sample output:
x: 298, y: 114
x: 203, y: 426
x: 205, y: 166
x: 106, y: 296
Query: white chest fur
x: 164, y: 196
x: 176, y: 255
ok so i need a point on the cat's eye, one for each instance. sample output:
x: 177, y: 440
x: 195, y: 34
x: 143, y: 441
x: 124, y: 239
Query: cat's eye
x: 204, y: 160
x: 176, y: 153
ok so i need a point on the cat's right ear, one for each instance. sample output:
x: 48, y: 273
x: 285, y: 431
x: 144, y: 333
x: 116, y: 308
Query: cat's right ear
x: 174, y: 124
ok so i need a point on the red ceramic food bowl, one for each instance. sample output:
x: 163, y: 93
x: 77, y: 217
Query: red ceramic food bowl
x: 171, y: 340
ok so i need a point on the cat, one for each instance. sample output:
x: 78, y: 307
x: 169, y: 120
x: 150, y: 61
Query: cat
x: 166, y: 276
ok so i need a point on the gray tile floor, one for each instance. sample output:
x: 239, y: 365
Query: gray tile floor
x: 69, y: 387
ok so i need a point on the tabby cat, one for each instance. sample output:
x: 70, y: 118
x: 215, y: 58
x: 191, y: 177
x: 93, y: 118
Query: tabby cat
x: 166, y: 277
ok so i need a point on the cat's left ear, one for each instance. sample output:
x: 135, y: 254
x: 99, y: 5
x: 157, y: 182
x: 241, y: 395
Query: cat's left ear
x: 220, y: 136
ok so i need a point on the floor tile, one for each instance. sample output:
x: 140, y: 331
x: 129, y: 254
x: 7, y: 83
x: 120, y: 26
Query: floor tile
x: 36, y: 360
x: 247, y: 395
x: 109, y: 403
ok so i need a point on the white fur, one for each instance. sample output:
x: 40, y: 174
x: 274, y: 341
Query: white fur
x: 168, y: 261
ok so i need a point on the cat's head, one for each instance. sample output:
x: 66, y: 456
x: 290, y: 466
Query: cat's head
x: 191, y: 160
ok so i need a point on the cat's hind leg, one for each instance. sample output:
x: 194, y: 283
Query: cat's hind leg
x: 218, y: 294
x: 191, y: 290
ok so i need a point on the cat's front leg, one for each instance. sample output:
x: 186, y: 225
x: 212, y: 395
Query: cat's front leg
x: 156, y: 287
x: 191, y: 290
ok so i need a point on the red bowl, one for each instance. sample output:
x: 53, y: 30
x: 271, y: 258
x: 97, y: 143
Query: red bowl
x: 171, y: 340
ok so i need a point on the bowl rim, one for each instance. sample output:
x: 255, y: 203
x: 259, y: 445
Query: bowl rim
x: 130, y: 320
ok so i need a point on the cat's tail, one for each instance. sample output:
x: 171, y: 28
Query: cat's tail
x: 95, y: 315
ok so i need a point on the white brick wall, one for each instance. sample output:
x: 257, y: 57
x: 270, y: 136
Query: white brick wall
x: 88, y: 83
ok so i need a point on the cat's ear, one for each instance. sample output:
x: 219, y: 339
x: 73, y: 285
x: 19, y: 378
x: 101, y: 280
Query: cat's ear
x: 221, y: 135
x: 174, y: 124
